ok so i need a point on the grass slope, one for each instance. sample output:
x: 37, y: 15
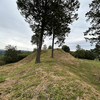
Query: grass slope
x: 60, y: 78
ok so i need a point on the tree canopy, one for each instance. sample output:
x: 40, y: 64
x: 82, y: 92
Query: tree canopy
x: 61, y: 17
x: 94, y: 18
x: 45, y: 15
x: 66, y: 48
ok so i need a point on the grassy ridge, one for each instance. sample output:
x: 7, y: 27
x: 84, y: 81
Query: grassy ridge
x: 60, y: 78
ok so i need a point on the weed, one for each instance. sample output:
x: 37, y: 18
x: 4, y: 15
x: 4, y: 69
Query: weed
x: 8, y: 90
x: 2, y: 79
x: 41, y: 97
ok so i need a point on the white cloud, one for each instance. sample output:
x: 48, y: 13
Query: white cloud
x: 15, y: 31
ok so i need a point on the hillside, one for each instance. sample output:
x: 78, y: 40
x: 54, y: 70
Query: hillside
x: 60, y: 78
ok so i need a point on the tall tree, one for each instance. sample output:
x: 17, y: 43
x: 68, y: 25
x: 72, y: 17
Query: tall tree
x: 35, y: 13
x: 62, y: 16
x: 94, y: 17
x: 41, y: 13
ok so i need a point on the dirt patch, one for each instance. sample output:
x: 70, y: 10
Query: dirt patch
x: 55, y: 77
x: 22, y: 72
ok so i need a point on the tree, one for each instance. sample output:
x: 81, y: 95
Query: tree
x: 44, y: 47
x: 50, y: 47
x: 39, y: 14
x: 62, y: 16
x: 96, y: 51
x: 35, y: 49
x: 89, y: 55
x: 78, y: 47
x: 11, y: 53
x: 35, y: 40
x: 35, y: 13
x: 66, y: 48
x: 80, y: 53
x: 94, y: 17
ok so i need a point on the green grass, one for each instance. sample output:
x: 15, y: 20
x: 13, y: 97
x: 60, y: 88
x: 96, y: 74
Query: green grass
x: 60, y: 78
x: 2, y: 79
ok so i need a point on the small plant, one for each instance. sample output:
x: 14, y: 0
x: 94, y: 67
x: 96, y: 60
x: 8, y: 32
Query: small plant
x: 88, y: 89
x: 2, y: 79
x: 93, y: 98
x: 41, y: 97
x: 27, y: 95
x: 8, y: 90
x: 17, y: 94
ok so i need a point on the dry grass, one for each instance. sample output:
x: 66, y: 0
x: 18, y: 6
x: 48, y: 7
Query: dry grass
x: 60, y: 78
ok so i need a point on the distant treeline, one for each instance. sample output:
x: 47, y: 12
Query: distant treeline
x: 11, y: 55
x: 83, y: 54
x: 2, y: 52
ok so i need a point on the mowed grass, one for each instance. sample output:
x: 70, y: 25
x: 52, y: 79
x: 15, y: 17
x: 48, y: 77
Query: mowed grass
x: 60, y: 78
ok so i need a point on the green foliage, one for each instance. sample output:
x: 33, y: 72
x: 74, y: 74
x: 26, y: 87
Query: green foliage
x: 35, y: 39
x: 94, y: 18
x: 83, y: 54
x: 50, y: 47
x: 2, y: 79
x: 44, y: 16
x: 35, y: 49
x: 96, y: 51
x: 89, y: 55
x: 78, y: 47
x: 21, y: 56
x: 11, y: 53
x: 60, y: 78
x: 2, y: 62
x: 8, y: 90
x: 80, y: 53
x: 66, y: 48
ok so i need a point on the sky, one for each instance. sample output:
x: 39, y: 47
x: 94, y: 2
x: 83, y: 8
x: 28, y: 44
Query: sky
x: 15, y: 31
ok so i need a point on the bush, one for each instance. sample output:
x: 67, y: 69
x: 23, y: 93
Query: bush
x: 80, y: 54
x: 89, y: 55
x: 21, y: 56
x: 2, y: 63
x: 10, y: 55
x: 35, y: 49
x: 66, y: 48
x: 84, y: 54
x: 50, y: 47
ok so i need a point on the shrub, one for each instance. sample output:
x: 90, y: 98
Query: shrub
x: 89, y: 55
x: 50, y: 47
x: 35, y: 49
x: 11, y: 53
x: 84, y: 54
x: 2, y: 62
x: 66, y: 48
x: 21, y: 56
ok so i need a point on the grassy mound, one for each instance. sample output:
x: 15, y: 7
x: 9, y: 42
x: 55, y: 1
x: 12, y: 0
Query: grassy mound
x: 60, y: 78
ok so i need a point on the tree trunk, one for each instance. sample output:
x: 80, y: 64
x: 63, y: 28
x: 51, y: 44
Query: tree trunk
x: 40, y: 45
x: 52, y: 44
